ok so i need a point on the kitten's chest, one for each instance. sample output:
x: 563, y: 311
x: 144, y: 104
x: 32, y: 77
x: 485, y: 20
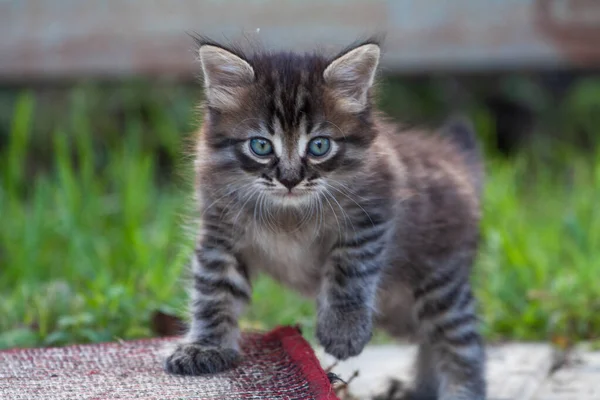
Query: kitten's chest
x: 295, y: 258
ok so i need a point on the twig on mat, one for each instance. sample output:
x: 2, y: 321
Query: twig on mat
x: 331, y: 367
x: 340, y: 386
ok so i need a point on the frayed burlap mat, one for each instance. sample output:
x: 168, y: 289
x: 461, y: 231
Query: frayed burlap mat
x: 277, y: 365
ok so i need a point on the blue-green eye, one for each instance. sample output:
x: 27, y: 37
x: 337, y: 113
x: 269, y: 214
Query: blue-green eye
x: 318, y: 147
x: 261, y: 147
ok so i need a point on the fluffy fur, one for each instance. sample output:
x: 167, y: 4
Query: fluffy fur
x: 381, y: 230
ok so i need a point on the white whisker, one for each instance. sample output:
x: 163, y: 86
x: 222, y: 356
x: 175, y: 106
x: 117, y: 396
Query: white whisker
x: 351, y: 199
x: 334, y: 215
x: 344, y: 214
x: 250, y: 197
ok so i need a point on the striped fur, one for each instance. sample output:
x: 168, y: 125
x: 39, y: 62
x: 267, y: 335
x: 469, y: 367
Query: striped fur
x: 381, y: 231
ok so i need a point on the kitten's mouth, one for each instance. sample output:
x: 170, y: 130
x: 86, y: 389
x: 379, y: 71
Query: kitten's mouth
x: 291, y: 194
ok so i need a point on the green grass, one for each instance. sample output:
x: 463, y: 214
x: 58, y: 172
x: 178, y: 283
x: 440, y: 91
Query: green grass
x: 539, y: 261
x: 92, y: 238
x: 87, y: 251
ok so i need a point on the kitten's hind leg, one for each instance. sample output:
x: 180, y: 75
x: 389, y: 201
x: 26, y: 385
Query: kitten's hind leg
x: 220, y: 293
x: 452, y: 356
x: 426, y: 384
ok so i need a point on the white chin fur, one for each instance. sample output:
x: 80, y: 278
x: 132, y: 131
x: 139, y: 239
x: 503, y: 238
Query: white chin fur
x: 282, y: 198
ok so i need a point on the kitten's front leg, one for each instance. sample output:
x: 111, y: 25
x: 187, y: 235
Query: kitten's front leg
x: 348, y: 295
x: 220, y: 292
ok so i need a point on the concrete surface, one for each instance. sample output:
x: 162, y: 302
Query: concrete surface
x: 578, y: 379
x: 515, y: 371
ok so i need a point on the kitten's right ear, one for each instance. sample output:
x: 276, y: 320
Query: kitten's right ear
x: 226, y: 76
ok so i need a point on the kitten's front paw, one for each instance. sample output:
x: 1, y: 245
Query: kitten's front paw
x: 194, y: 359
x: 344, y: 335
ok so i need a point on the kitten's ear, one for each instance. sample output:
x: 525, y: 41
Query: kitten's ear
x: 225, y: 76
x: 351, y: 75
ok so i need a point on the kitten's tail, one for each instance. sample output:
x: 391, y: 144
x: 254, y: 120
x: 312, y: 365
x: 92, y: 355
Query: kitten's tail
x: 461, y: 132
x: 460, y: 129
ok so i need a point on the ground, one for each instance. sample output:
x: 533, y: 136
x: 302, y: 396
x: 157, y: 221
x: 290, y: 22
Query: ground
x: 522, y: 371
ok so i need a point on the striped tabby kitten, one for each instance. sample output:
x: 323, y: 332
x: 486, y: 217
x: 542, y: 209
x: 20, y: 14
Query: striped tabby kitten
x: 298, y: 177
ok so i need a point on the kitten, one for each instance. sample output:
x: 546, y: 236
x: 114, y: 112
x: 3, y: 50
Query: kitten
x: 299, y: 177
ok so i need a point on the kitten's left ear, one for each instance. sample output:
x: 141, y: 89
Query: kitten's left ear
x: 351, y: 75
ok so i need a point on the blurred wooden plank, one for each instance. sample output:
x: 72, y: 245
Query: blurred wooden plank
x: 73, y: 38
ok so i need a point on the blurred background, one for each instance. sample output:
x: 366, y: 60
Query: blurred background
x: 97, y: 103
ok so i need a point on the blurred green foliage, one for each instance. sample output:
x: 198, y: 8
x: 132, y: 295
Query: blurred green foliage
x: 95, y: 234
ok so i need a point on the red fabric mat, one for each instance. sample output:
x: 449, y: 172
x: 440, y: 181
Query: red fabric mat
x: 277, y: 365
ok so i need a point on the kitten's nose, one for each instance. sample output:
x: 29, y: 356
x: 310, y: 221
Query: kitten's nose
x: 289, y: 182
x: 289, y: 177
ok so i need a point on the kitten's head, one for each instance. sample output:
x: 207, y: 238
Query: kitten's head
x: 285, y: 126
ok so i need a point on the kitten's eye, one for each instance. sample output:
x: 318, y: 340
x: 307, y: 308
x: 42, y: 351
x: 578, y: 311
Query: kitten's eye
x: 318, y: 147
x: 261, y: 147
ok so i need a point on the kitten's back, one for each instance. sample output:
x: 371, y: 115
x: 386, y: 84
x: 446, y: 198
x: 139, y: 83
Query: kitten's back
x: 452, y: 151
